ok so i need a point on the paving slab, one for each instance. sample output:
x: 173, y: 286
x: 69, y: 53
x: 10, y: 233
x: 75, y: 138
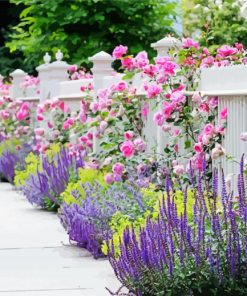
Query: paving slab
x: 36, y: 258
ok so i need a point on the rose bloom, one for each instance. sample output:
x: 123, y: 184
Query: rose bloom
x: 206, y: 139
x: 109, y: 178
x: 127, y: 63
x: 226, y: 50
x: 128, y: 135
x: 39, y: 131
x: 119, y: 51
x: 144, y: 111
x: 40, y: 117
x: 198, y: 147
x: 178, y: 169
x: 224, y: 113
x: 121, y: 86
x: 72, y: 68
x: 159, y: 118
x: 209, y: 129
x: 167, y: 110
x: 188, y: 43
x: 196, y: 98
x: 118, y: 168
x: 140, y: 144
x: 128, y: 149
x: 153, y: 91
x: 217, y: 151
x: 166, y: 128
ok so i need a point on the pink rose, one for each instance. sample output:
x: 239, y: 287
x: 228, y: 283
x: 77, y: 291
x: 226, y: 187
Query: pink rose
x: 224, y: 113
x: 89, y: 144
x: 140, y: 144
x: 94, y: 107
x: 118, y: 168
x: 66, y: 125
x: 197, y: 98
x: 153, y: 90
x: 178, y: 169
x: 141, y: 60
x: 150, y: 70
x: 128, y: 149
x: 168, y: 108
x: 226, y: 50
x: 159, y: 118
x: 144, y: 111
x: 117, y: 178
x: 198, y: 147
x: 49, y: 124
x: 109, y: 178
x: 39, y: 131
x: 121, y: 86
x: 166, y: 128
x: 128, y: 63
x: 217, y: 151
x: 206, y: 139
x: 23, y: 112
x: 128, y: 135
x: 83, y: 139
x: 209, y: 129
x: 205, y: 51
x: 190, y: 43
x: 4, y: 114
x: 72, y: 68
x: 89, y: 135
x: 119, y: 51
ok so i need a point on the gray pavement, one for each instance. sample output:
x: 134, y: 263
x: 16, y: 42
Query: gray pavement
x: 36, y: 258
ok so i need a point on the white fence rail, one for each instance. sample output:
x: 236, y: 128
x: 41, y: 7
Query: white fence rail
x: 228, y: 83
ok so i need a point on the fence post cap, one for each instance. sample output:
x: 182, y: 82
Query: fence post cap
x: 101, y: 56
x: 47, y: 58
x: 45, y: 66
x: 18, y: 73
x: 59, y: 64
x: 59, y: 55
x: 167, y: 41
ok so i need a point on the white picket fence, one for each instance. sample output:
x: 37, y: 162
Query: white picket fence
x: 228, y: 83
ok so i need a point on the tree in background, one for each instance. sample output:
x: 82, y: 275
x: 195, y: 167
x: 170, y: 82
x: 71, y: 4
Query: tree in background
x: 216, y: 21
x: 9, y: 16
x: 81, y: 28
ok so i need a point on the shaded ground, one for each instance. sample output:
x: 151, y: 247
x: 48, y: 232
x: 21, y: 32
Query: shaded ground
x: 36, y: 258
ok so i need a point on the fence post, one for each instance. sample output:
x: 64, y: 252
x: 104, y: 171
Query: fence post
x: 58, y: 71
x: 162, y: 47
x: 43, y: 71
x: 101, y: 68
x: 18, y: 77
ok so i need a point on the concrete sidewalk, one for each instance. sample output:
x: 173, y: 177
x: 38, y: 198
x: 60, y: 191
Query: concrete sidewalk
x: 36, y: 258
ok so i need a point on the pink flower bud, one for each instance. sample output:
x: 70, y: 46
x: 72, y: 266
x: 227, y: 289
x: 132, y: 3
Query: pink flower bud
x: 109, y: 178
x: 128, y: 135
x: 118, y: 168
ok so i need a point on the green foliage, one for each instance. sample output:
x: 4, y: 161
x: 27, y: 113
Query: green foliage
x: 9, y: 145
x: 152, y: 199
x: 80, y: 28
x: 218, y: 23
x: 74, y: 187
x: 32, y: 164
x: 9, y: 16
